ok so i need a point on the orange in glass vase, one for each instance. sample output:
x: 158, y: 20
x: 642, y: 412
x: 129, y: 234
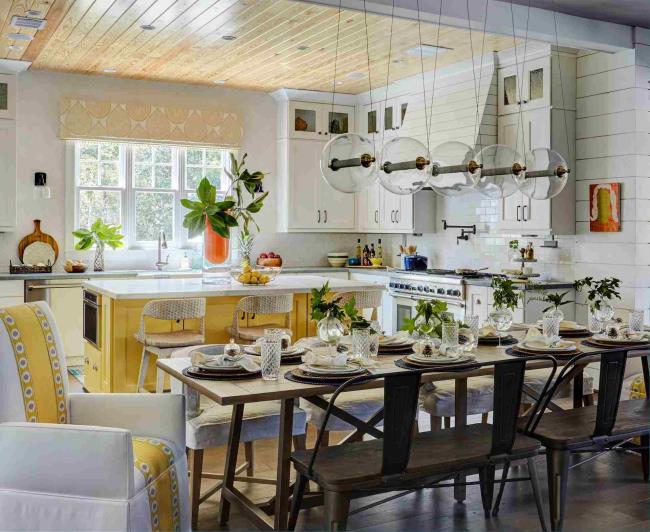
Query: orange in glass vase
x: 216, y: 254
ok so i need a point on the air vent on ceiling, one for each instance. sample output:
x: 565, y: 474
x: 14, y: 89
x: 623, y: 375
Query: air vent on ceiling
x: 426, y: 50
x: 28, y: 22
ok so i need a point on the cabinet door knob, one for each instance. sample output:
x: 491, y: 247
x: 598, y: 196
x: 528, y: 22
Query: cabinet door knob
x: 518, y: 214
x: 320, y: 132
x: 525, y: 101
x: 319, y: 215
x: 86, y: 361
x: 478, y: 302
x: 325, y: 216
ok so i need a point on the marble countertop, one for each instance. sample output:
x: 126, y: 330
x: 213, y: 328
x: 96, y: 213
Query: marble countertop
x: 533, y: 285
x: 142, y: 288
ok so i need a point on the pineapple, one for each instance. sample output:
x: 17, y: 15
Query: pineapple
x: 245, y: 249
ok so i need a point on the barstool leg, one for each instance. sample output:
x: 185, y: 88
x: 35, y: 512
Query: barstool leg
x: 160, y: 380
x: 142, y: 374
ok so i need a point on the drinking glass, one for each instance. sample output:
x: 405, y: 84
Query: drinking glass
x: 271, y: 356
x: 474, y: 324
x: 594, y: 324
x: 636, y: 320
x: 450, y: 334
x: 374, y: 337
x: 551, y: 326
x: 501, y: 320
x: 360, y: 344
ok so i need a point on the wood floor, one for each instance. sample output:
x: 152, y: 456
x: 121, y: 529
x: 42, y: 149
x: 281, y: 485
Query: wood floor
x: 605, y: 494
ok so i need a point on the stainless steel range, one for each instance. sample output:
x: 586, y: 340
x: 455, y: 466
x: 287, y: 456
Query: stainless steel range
x: 407, y: 288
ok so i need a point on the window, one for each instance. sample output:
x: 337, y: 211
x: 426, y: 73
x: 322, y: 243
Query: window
x: 140, y: 186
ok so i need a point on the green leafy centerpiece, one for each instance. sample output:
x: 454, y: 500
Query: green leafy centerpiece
x: 99, y: 235
x: 555, y: 301
x: 215, y: 217
x: 600, y: 295
x: 505, y: 299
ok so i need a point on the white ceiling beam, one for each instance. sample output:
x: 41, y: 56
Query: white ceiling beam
x: 572, y: 32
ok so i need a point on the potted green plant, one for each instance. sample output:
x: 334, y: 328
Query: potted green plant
x: 505, y: 299
x: 215, y: 217
x: 100, y: 235
x: 426, y: 326
x: 599, y: 296
x: 555, y: 301
x: 327, y: 311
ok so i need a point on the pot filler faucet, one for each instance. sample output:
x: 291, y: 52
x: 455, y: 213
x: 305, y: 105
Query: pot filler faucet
x: 162, y: 244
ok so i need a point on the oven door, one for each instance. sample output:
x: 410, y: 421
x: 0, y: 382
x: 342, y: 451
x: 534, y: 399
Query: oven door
x: 404, y: 308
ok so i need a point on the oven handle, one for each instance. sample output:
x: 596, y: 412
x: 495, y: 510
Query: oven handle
x: 48, y: 286
x: 460, y: 304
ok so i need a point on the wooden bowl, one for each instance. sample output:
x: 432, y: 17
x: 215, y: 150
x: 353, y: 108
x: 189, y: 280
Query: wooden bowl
x: 272, y: 263
x: 75, y: 268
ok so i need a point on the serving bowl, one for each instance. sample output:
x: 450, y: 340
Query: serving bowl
x: 255, y: 275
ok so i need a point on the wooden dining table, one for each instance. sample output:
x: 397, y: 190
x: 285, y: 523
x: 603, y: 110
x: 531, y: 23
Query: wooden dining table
x: 273, y: 515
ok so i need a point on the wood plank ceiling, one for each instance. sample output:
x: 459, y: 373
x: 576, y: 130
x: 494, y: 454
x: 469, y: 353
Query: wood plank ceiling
x: 278, y: 43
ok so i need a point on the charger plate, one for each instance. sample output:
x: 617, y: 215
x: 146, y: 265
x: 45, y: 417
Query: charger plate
x: 505, y: 340
x: 298, y: 375
x: 523, y: 352
x: 198, y: 373
x: 404, y: 363
x: 591, y: 342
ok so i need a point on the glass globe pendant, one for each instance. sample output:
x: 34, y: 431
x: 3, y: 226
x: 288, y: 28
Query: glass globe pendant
x: 546, y: 175
x: 454, y: 170
x: 502, y: 171
x: 404, y: 166
x: 347, y: 163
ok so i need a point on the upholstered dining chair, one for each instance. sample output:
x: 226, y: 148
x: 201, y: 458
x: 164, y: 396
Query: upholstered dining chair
x: 366, y: 301
x: 402, y: 459
x: 259, y: 306
x: 82, y: 461
x: 208, y: 426
x: 592, y: 428
x: 161, y: 344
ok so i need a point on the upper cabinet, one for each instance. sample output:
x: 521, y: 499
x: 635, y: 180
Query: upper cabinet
x: 318, y: 121
x: 383, y: 118
x: 7, y: 152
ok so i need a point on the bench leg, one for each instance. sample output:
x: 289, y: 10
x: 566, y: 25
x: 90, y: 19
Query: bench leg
x: 486, y: 477
x: 337, y: 507
x: 250, y: 458
x: 557, y: 463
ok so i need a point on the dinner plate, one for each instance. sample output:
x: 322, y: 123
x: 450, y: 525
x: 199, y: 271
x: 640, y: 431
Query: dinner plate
x: 208, y: 366
x: 607, y: 340
x: 440, y: 361
x: 257, y: 350
x: 348, y: 369
x: 564, y: 346
x: 436, y: 358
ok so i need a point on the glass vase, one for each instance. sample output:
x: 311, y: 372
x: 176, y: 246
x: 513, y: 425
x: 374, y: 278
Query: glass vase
x: 99, y: 257
x: 603, y: 310
x: 216, y: 257
x: 329, y: 331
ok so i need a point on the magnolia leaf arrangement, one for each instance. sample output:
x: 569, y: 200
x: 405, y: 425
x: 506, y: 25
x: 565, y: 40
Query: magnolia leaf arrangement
x: 357, y: 321
x: 100, y: 235
x: 504, y: 294
x: 235, y: 210
x: 555, y: 300
x: 324, y: 303
x: 428, y: 320
x: 599, y: 291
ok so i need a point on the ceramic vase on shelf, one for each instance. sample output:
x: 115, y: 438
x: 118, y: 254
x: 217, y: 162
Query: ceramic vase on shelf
x: 216, y: 257
x: 99, y: 257
x: 329, y: 331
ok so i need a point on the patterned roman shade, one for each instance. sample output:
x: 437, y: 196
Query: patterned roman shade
x: 87, y: 119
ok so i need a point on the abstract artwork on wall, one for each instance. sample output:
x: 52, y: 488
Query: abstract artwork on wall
x: 605, y: 207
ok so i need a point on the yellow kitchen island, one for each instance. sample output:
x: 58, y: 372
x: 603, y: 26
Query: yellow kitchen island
x: 111, y: 363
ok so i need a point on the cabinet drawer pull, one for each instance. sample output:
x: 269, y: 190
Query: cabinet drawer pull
x: 518, y: 213
x: 478, y: 302
x: 325, y: 216
x: 397, y: 217
x: 87, y: 361
x: 376, y: 216
x: 95, y: 368
x: 318, y: 215
x: 523, y: 211
x: 392, y: 216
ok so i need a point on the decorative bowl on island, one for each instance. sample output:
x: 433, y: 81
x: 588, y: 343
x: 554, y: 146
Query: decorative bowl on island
x: 255, y: 275
x: 337, y: 260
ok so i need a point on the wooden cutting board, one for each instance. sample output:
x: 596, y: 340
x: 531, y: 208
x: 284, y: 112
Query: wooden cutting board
x: 37, y: 236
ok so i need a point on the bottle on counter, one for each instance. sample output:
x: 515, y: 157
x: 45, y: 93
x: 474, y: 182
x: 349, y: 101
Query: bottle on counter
x: 380, y: 250
x: 372, y: 250
x: 359, y: 250
x: 366, y: 256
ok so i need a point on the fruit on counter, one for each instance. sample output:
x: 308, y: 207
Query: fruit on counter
x: 250, y: 276
x: 74, y: 266
x: 269, y: 259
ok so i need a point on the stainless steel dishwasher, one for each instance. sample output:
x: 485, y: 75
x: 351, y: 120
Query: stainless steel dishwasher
x: 65, y: 298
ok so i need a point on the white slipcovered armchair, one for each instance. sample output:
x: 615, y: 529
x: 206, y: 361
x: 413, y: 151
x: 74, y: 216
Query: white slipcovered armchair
x: 82, y: 461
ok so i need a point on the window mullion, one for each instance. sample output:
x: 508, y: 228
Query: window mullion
x: 129, y: 209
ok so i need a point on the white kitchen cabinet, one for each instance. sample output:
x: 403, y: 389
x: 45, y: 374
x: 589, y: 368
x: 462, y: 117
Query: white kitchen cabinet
x: 11, y: 293
x: 7, y: 175
x: 396, y: 212
x: 539, y: 128
x: 306, y: 201
x: 317, y: 121
x: 525, y: 86
x: 369, y: 209
x: 476, y: 301
x: 383, y: 118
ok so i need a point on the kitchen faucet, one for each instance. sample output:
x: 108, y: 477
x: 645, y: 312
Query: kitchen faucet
x: 162, y: 244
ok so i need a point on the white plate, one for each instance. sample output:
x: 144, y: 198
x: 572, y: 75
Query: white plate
x: 439, y: 361
x: 563, y: 346
x: 348, y: 369
x: 257, y: 350
x: 208, y: 365
x: 607, y: 339
x: 38, y: 253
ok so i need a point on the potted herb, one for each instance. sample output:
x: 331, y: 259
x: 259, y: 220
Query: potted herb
x: 215, y: 218
x: 505, y: 299
x: 599, y: 296
x: 555, y: 301
x: 100, y: 235
x: 326, y: 310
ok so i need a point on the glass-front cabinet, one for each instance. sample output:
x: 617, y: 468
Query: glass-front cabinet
x: 318, y: 121
x: 525, y: 86
x: 384, y: 118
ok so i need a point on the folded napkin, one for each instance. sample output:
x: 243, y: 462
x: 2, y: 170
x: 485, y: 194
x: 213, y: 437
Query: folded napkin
x: 396, y: 339
x: 220, y: 361
x: 636, y: 335
x: 534, y: 338
x: 320, y: 356
x: 567, y: 324
x: 487, y: 330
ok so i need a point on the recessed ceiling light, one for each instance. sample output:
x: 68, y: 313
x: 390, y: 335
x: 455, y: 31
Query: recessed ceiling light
x: 228, y: 37
x: 19, y: 37
x: 33, y: 13
x: 220, y: 81
x: 110, y: 70
x: 398, y: 61
x: 14, y: 47
x: 356, y: 75
x: 426, y: 50
x: 147, y: 27
x: 303, y: 47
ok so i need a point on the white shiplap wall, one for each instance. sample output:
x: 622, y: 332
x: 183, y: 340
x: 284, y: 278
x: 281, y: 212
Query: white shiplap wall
x: 613, y: 145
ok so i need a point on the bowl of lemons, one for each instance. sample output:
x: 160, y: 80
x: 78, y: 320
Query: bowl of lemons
x: 255, y: 275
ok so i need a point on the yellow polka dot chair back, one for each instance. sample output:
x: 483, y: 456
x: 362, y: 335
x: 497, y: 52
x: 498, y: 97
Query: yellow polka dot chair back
x: 79, y: 461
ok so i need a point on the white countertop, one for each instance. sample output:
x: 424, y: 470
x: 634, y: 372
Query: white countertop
x: 143, y: 288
